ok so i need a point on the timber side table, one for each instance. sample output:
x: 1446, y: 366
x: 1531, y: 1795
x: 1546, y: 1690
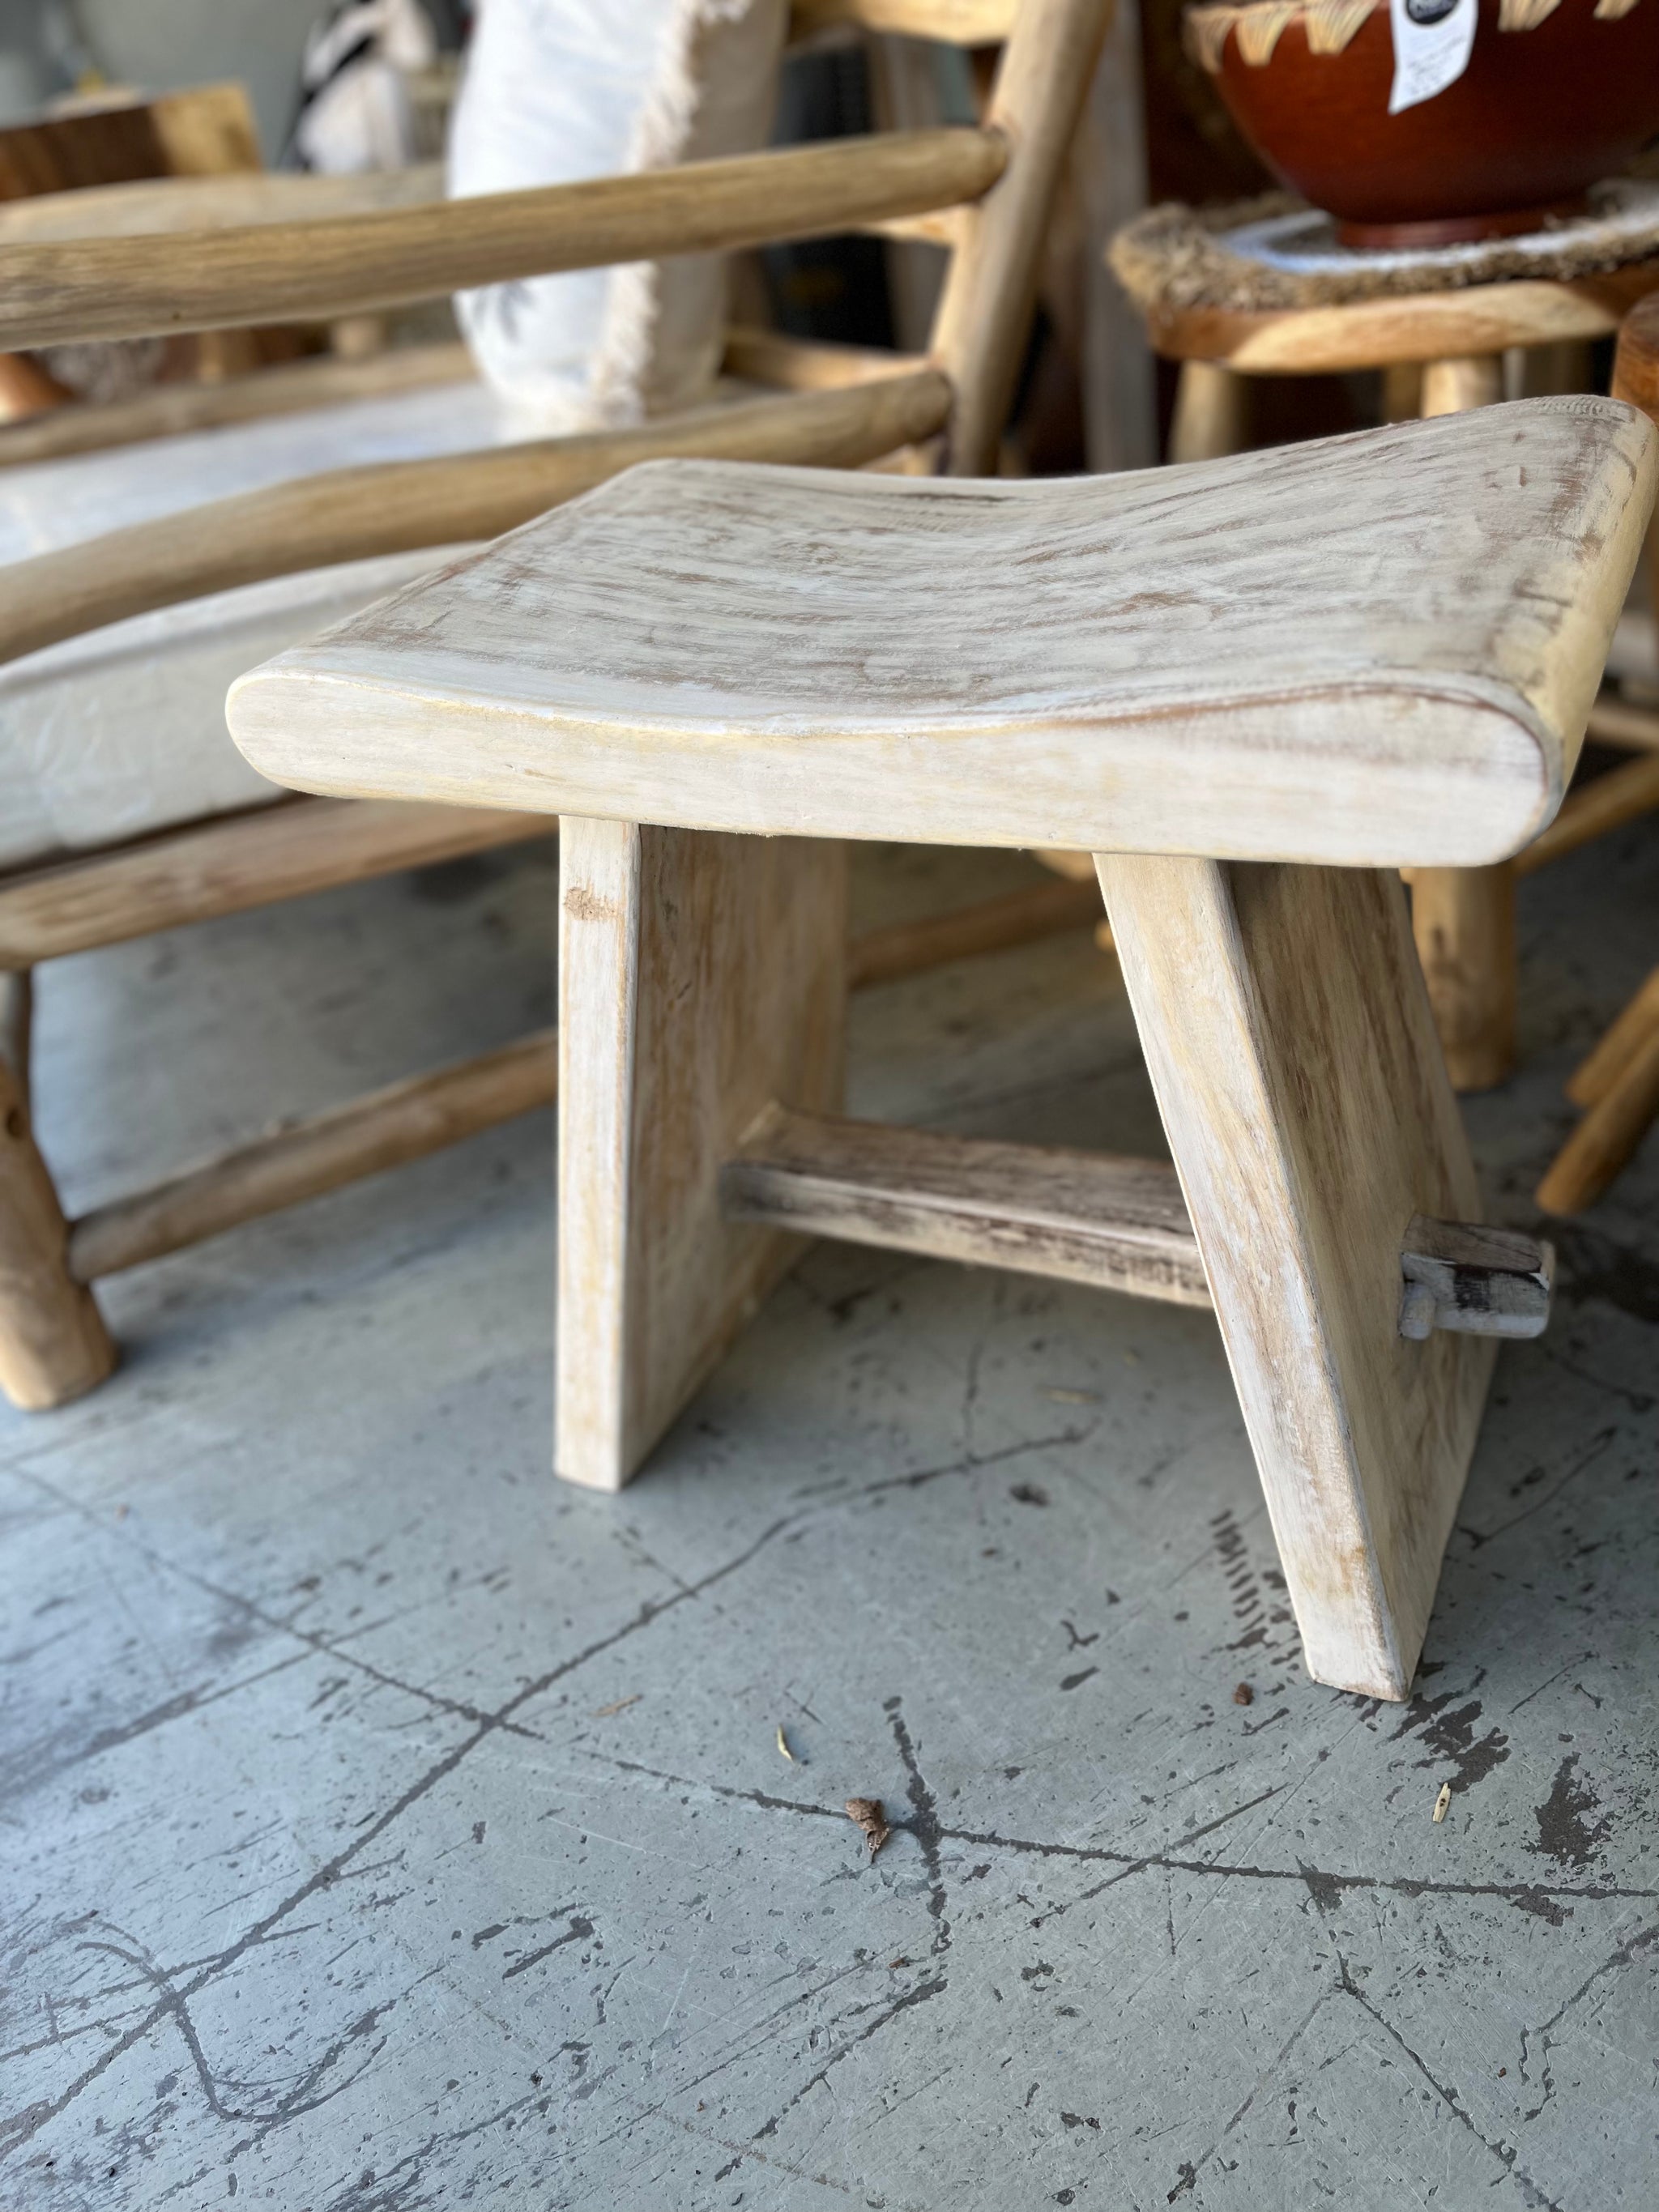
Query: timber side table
x: 714, y: 673
x: 1264, y: 289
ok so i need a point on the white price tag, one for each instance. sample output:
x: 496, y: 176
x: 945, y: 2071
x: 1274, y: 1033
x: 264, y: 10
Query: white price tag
x: 1432, y: 41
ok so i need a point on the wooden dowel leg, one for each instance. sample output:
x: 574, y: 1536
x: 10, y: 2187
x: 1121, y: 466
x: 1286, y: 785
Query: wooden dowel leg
x: 1464, y: 917
x: 53, y: 1344
x: 1474, y: 379
x: 1608, y: 1134
x: 1600, y: 1069
x: 1463, y: 920
x: 1402, y: 391
x: 1209, y: 412
x: 1288, y: 1036
x: 700, y: 977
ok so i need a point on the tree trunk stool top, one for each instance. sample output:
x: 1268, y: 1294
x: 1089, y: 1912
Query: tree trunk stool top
x: 1254, y: 691
x: 1265, y: 289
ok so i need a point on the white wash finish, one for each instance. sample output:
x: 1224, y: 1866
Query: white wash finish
x: 1073, y: 1216
x: 699, y: 978
x: 1364, y: 652
x: 1287, y: 1033
x: 1374, y: 650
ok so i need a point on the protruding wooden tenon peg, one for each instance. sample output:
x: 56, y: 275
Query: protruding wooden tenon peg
x: 1476, y: 1280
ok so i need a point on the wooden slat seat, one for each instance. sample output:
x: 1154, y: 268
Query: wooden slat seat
x: 1372, y: 650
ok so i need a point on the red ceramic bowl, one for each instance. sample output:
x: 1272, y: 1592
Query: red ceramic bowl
x: 1537, y: 117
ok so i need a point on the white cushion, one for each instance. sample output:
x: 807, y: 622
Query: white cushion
x: 47, y: 504
x: 557, y: 90
x: 122, y: 731
x: 113, y: 735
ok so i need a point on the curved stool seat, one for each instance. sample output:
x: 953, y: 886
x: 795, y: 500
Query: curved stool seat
x: 1266, y: 288
x: 1378, y: 649
x: 1222, y: 680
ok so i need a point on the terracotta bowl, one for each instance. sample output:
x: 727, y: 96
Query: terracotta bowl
x: 1539, y: 115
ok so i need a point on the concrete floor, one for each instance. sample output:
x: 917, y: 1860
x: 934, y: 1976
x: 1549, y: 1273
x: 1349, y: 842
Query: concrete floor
x: 386, y: 1827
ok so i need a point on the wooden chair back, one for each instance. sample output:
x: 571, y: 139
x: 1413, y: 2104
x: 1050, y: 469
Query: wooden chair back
x: 986, y: 191
x: 206, y: 255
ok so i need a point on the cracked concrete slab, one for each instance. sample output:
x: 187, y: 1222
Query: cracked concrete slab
x: 386, y: 1827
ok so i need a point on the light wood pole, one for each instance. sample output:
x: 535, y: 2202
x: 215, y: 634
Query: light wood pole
x: 1463, y: 919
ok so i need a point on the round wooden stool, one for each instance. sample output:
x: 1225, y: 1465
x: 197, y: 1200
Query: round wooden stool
x: 1264, y: 289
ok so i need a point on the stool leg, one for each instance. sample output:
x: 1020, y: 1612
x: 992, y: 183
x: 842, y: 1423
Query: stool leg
x: 700, y: 977
x: 1463, y: 920
x: 53, y: 1344
x: 1288, y: 1034
x: 1464, y: 917
x: 1621, y: 1114
x: 1471, y: 380
x: 1209, y: 412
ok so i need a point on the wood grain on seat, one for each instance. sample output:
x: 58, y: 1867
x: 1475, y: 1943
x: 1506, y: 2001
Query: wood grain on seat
x: 1371, y: 650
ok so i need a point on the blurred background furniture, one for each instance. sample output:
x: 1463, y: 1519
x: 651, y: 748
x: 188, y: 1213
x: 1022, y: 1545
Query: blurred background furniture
x: 1265, y: 289
x: 1618, y: 1083
x: 202, y: 130
x: 184, y: 849
x: 57, y: 50
x: 1426, y: 128
x: 716, y: 675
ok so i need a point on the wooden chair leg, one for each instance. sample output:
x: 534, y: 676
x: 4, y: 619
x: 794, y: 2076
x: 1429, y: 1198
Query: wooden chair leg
x: 1464, y: 917
x: 1463, y: 920
x: 1209, y: 412
x: 1289, y: 1038
x: 1619, y: 1084
x: 1474, y: 379
x: 53, y: 1344
x: 701, y: 977
x: 1619, y: 1044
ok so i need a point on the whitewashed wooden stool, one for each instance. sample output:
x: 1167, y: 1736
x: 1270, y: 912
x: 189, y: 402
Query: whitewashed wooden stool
x: 1253, y: 689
